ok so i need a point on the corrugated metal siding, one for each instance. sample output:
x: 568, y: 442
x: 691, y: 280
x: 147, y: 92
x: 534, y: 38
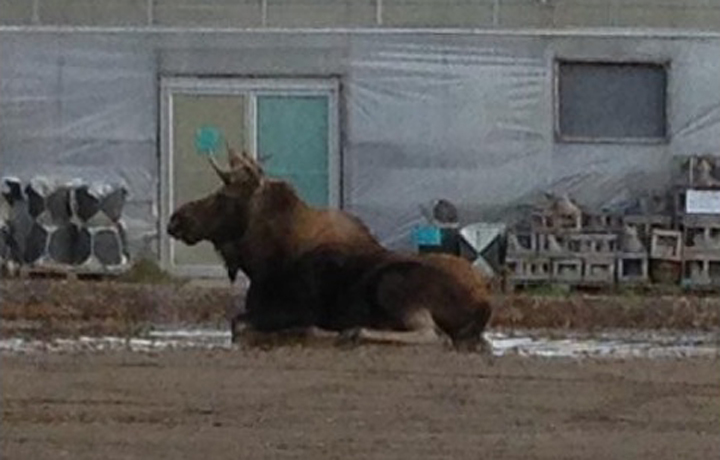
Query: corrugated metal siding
x: 683, y: 14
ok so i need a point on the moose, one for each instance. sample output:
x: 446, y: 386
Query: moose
x: 323, y: 270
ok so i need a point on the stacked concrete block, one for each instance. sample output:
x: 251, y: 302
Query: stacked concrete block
x: 697, y: 172
x: 98, y: 211
x: 528, y: 269
x: 549, y: 220
x: 666, y: 245
x: 567, y: 270
x: 582, y: 249
x: 4, y: 229
x: 555, y: 226
x: 701, y: 249
x: 581, y: 246
x: 661, y: 236
x: 565, y: 265
x: 524, y: 262
x: 602, y: 222
x: 47, y: 224
x: 49, y: 208
x: 597, y: 251
x: 18, y: 224
x: 699, y: 219
x: 666, y: 256
x: 632, y: 261
x: 646, y: 223
x: 550, y: 251
x: 694, y: 173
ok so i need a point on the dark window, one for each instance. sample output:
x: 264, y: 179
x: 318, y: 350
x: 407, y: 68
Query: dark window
x: 624, y: 102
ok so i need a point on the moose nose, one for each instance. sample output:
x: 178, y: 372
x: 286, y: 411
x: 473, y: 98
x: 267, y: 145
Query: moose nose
x: 174, y: 225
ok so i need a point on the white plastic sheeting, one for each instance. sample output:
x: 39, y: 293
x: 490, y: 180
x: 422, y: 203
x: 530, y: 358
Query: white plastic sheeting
x: 464, y: 116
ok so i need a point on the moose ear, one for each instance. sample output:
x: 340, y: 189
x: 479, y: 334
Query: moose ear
x: 234, y: 159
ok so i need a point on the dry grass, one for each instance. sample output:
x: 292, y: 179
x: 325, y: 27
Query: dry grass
x: 595, y: 312
x: 43, y: 308
x: 70, y: 308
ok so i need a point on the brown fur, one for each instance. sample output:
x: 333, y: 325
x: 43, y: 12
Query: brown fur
x: 317, y: 267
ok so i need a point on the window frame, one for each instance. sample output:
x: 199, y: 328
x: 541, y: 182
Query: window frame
x: 560, y: 137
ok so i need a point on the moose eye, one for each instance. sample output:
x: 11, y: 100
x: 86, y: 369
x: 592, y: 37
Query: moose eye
x: 223, y: 201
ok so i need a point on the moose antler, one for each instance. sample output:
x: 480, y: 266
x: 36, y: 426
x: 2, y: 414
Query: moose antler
x: 224, y: 175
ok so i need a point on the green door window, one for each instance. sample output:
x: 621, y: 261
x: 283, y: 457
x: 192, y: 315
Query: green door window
x: 293, y: 132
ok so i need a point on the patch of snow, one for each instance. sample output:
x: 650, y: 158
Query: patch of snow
x: 647, y: 344
x: 635, y: 344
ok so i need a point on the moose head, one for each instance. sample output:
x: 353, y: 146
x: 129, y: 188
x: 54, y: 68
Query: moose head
x: 222, y: 215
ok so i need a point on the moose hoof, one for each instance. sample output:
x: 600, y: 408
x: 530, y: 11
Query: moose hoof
x: 480, y: 346
x: 350, y: 338
x: 239, y: 331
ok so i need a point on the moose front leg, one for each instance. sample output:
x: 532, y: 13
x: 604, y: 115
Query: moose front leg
x: 238, y: 324
x: 306, y: 336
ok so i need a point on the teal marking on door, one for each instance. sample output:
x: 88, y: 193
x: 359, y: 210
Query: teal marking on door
x: 293, y: 132
x: 207, y: 140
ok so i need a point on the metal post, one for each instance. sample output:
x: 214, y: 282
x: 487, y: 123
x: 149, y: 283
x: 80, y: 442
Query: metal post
x: 36, y: 12
x: 496, y: 13
x: 378, y: 12
x: 150, y: 12
x: 614, y: 13
x: 263, y: 13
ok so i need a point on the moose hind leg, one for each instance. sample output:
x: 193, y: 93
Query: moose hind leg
x: 420, y: 330
x: 421, y: 337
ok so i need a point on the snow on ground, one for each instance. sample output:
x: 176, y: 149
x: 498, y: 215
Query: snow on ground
x: 618, y: 344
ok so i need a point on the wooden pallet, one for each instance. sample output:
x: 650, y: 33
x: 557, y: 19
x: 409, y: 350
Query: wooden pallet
x: 63, y: 273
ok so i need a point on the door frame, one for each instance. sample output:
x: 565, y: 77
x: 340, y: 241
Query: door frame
x: 251, y: 88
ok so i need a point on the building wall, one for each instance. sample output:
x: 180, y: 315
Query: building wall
x: 686, y: 14
x: 466, y: 116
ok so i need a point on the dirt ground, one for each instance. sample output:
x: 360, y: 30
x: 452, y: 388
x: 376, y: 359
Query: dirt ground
x: 363, y: 403
x: 367, y: 402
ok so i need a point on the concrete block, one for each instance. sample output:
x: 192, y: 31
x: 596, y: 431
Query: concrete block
x: 666, y: 271
x: 666, y: 245
x: 529, y: 268
x: 702, y: 272
x: 646, y: 223
x: 567, y: 270
x: 521, y: 243
x: 593, y: 243
x: 553, y: 245
x: 603, y: 222
x: 632, y: 268
x: 599, y: 269
x: 549, y: 222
